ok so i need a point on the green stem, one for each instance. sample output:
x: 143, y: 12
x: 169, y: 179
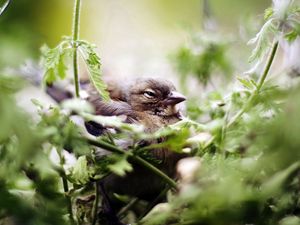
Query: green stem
x: 66, y: 187
x: 268, y: 66
x: 224, y: 129
x: 75, y: 35
x: 95, y: 206
x: 106, y: 146
x: 69, y: 202
x: 136, y: 158
x: 259, y: 85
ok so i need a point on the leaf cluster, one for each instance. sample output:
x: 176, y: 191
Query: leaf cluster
x: 55, y: 61
x: 203, y: 58
x: 246, y: 138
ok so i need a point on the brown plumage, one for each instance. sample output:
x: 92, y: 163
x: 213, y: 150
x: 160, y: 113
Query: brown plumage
x: 152, y: 103
x: 146, y: 101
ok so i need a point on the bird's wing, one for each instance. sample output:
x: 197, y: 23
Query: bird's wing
x: 114, y: 107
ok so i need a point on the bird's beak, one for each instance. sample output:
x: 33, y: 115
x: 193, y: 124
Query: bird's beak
x: 174, y: 98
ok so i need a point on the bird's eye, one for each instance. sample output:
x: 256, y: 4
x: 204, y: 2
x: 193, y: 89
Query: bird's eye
x: 149, y: 93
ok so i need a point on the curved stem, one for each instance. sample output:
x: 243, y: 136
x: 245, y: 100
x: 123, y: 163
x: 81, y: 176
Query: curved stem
x: 268, y: 66
x: 259, y: 85
x: 136, y: 158
x: 75, y: 35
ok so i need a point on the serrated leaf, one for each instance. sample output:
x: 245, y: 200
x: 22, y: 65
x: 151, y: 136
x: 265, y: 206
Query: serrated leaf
x: 53, y: 61
x: 61, y: 67
x: 268, y: 13
x: 246, y: 83
x: 93, y: 63
x: 121, y: 166
x: 262, y: 41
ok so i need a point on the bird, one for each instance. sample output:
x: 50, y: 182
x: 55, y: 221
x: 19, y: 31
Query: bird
x: 147, y: 101
x: 151, y: 102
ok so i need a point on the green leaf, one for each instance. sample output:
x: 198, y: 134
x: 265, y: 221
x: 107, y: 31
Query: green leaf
x: 291, y: 36
x: 10, y: 84
x: 262, y: 41
x: 81, y: 173
x: 277, y: 182
x: 121, y: 166
x: 49, y: 76
x: 184, y: 60
x: 61, y: 67
x: 54, y: 59
x: 245, y: 82
x: 93, y: 63
x: 268, y: 13
x: 290, y: 220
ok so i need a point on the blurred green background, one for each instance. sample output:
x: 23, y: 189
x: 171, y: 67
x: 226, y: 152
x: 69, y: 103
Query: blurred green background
x: 134, y: 37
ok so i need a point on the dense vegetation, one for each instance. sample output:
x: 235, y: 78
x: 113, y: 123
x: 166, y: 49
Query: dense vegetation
x: 243, y: 138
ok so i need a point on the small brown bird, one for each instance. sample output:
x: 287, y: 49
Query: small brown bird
x: 152, y: 103
x: 147, y: 101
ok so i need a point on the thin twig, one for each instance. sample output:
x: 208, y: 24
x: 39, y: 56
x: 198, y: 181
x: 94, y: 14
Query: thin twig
x: 75, y: 34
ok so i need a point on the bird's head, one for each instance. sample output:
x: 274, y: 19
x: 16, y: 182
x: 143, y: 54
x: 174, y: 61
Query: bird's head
x: 155, y: 96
